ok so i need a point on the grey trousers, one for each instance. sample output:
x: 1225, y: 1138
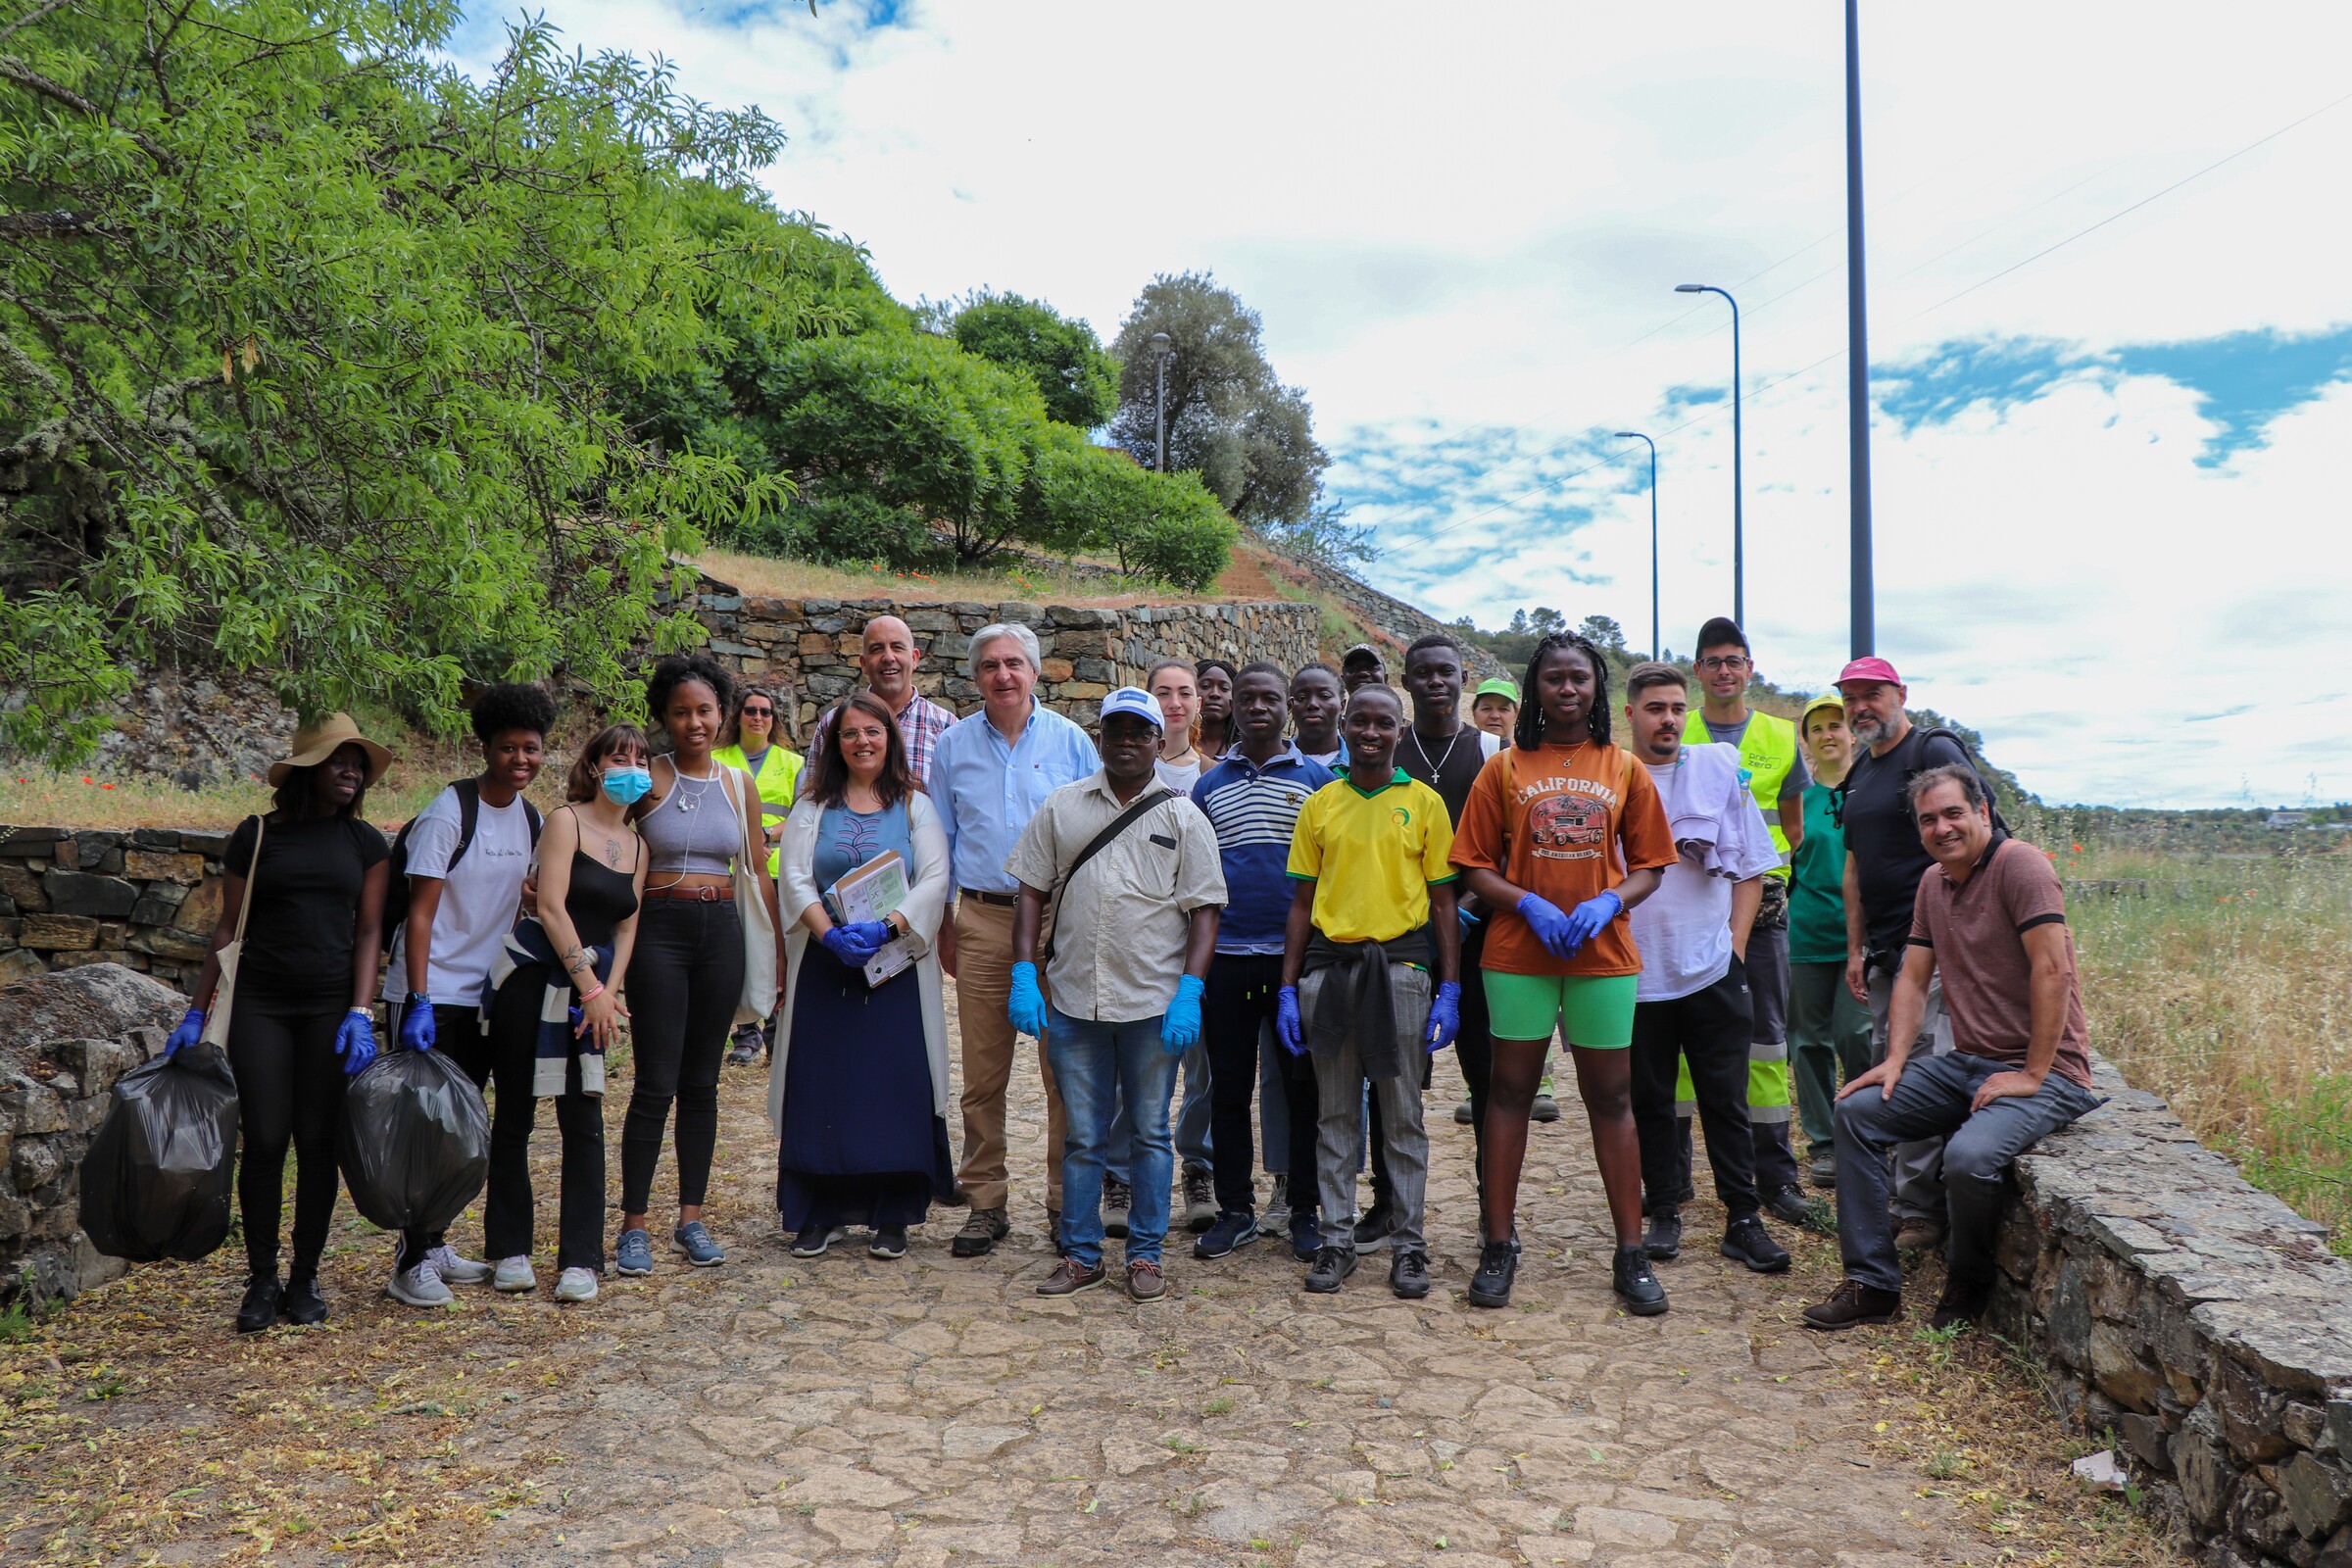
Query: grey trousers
x: 1340, y: 1119
x: 1918, y: 1162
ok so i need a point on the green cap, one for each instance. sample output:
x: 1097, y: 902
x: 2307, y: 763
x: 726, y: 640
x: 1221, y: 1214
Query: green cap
x: 1495, y: 688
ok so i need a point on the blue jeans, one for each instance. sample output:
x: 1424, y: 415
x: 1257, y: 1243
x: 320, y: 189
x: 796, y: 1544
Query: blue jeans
x: 1097, y: 1067
x: 1932, y: 1100
x: 1192, y: 1119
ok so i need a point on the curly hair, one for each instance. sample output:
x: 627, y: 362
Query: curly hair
x: 1528, y: 733
x: 587, y: 776
x: 675, y: 670
x: 512, y: 705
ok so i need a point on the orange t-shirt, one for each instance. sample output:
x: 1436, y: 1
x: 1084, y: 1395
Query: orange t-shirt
x: 1565, y: 823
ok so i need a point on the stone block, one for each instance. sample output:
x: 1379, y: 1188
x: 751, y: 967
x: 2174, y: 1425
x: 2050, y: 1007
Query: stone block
x: 2318, y: 1494
x: 34, y: 1162
x: 814, y: 643
x: 2201, y: 1460
x: 165, y: 943
x: 154, y: 838
x: 66, y: 855
x: 1079, y: 691
x: 59, y: 933
x: 20, y: 964
x: 923, y: 621
x: 97, y: 1063
x: 31, y: 1108
x: 30, y: 843
x: 155, y: 865
x: 121, y: 956
x: 2069, y: 1312
x: 154, y: 911
x: 2305, y: 1425
x: 1020, y: 610
x: 212, y: 846
x: 2253, y: 1415
x: 112, y: 933
x: 1056, y: 670
x: 2258, y: 1516
x: 2338, y: 1552
x: 20, y: 886
x: 2145, y: 1437
x: 200, y: 910
x: 107, y: 897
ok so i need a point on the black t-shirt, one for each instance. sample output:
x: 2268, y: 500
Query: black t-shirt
x: 1883, y: 836
x: 1450, y: 773
x: 306, y: 899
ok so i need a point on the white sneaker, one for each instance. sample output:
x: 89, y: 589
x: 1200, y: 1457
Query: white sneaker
x: 420, y: 1286
x: 576, y: 1285
x: 456, y: 1270
x: 515, y: 1277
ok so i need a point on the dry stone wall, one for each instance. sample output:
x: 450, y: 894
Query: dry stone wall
x: 146, y: 899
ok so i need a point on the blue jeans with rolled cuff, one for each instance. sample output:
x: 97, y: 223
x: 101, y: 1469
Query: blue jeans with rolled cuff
x: 1098, y: 1066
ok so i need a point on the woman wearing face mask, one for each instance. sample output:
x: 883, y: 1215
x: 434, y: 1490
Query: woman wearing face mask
x: 686, y: 976
x: 554, y: 1008
x: 302, y: 1021
x: 755, y: 745
x: 858, y: 1093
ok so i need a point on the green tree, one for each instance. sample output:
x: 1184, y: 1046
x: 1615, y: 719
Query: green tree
x: 1165, y: 525
x: 308, y: 342
x: 1079, y: 382
x: 1229, y: 419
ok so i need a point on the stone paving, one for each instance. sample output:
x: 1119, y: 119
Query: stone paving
x: 778, y: 1412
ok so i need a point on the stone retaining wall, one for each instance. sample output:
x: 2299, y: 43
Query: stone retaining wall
x: 146, y: 899
x: 2201, y: 1321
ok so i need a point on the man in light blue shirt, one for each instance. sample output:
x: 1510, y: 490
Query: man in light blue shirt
x: 989, y: 774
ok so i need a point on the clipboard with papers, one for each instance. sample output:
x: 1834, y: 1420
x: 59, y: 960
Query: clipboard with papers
x: 873, y: 891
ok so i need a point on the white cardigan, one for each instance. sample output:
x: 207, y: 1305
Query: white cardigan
x: 925, y: 906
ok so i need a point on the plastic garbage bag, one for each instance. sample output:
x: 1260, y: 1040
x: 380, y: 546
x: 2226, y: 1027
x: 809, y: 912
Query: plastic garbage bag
x: 159, y: 1177
x: 416, y: 1144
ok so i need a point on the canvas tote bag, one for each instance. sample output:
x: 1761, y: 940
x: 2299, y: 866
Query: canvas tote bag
x: 224, y: 994
x: 758, y: 998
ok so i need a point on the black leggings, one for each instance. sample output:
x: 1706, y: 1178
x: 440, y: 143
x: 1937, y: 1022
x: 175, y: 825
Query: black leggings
x: 685, y: 978
x: 281, y: 1046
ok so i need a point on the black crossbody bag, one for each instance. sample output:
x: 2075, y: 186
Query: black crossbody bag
x: 1103, y: 840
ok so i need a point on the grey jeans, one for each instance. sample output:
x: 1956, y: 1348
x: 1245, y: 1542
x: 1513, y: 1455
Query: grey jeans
x: 1918, y: 1162
x: 1340, y: 1123
x: 1934, y: 1096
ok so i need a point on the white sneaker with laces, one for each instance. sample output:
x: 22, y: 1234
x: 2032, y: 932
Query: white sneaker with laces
x: 576, y: 1285
x: 456, y: 1270
x: 420, y: 1286
x: 515, y: 1277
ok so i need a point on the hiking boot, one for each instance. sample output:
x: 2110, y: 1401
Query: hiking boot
x: 1200, y: 1198
x: 1332, y: 1265
x: 694, y: 1240
x: 1144, y: 1280
x: 889, y: 1242
x: 1070, y: 1276
x: 1544, y: 1108
x: 456, y: 1270
x: 1746, y: 1241
x: 513, y: 1277
x: 1790, y: 1205
x: 1665, y: 1239
x: 1463, y: 1116
x: 633, y: 1255
x: 1372, y: 1231
x: 1497, y: 1268
x: 1306, y: 1236
x: 420, y: 1285
x: 981, y: 1233
x: 1637, y: 1283
x: 1963, y: 1304
x: 1231, y: 1230
x: 1919, y: 1233
x: 817, y: 1238
x: 745, y: 1051
x: 1277, y: 1207
x: 1853, y: 1303
x: 1117, y: 1199
x: 1821, y: 1169
x: 575, y: 1285
x: 303, y: 1304
x: 1409, y: 1274
x: 259, y: 1309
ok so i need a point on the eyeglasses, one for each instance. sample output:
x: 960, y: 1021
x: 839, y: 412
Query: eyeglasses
x: 1724, y: 661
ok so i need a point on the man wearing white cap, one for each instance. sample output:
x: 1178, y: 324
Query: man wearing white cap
x: 1132, y: 869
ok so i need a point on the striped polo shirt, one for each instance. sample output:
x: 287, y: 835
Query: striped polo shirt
x: 1253, y: 809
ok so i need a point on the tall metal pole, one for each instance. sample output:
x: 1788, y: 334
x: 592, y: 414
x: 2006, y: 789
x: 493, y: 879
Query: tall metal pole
x: 1863, y: 614
x: 1161, y: 344
x: 1738, y: 490
x: 1635, y: 435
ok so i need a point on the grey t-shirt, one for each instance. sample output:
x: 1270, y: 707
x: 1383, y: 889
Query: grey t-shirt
x: 1799, y: 776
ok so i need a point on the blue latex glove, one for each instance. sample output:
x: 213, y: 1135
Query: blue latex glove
x: 1027, y: 1004
x: 417, y: 1023
x: 1588, y: 920
x: 1180, y: 1025
x: 1444, y: 1017
x: 190, y: 1030
x: 355, y: 1042
x: 1551, y: 926
x: 1287, y: 1027
x: 842, y: 941
x: 874, y: 934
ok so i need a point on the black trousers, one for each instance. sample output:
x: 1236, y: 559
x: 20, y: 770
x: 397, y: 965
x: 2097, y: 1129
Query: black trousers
x: 457, y: 1035
x: 508, y: 1218
x: 1474, y: 1047
x: 1240, y: 997
x: 1712, y: 1027
x: 685, y: 976
x: 281, y: 1046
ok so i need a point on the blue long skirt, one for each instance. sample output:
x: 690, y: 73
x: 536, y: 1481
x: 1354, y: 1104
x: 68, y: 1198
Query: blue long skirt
x: 862, y: 1144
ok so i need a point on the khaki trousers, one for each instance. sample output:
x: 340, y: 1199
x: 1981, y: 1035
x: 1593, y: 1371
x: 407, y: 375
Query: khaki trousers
x: 983, y: 986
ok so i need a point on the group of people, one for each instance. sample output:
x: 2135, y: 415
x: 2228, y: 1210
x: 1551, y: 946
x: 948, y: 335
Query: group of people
x: 1288, y: 889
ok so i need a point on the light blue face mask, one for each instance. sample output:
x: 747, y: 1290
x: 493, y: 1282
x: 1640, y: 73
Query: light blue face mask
x: 626, y: 786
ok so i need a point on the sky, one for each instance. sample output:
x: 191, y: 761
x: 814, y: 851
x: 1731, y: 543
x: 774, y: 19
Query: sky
x: 2110, y: 315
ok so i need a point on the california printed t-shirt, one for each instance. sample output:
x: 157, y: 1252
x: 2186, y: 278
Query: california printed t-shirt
x: 481, y: 896
x: 304, y: 923
x: 1566, y: 824
x: 1978, y: 934
x: 1685, y: 928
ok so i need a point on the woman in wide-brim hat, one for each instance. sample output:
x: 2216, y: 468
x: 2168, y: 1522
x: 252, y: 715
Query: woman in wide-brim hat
x: 302, y: 1021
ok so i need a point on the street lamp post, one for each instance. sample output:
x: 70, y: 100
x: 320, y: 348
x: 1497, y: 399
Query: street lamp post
x: 1162, y: 346
x: 1739, y: 533
x: 1635, y: 435
x: 1863, y: 613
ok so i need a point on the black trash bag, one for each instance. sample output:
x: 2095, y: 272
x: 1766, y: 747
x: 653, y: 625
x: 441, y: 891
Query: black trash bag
x: 415, y: 1146
x: 161, y: 1173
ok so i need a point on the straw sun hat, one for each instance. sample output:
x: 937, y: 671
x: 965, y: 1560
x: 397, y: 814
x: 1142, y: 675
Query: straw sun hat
x: 315, y: 743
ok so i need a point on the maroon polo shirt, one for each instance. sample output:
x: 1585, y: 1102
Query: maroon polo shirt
x: 1978, y: 933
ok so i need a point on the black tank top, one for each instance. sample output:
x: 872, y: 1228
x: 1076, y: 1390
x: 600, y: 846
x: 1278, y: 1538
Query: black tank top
x: 599, y: 897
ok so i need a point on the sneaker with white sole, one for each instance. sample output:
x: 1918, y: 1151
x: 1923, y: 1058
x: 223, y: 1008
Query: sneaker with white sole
x: 515, y: 1277
x: 420, y: 1285
x: 456, y: 1270
x: 576, y: 1285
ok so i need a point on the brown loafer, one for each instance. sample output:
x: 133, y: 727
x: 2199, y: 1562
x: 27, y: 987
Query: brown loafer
x: 1070, y: 1276
x: 1144, y: 1281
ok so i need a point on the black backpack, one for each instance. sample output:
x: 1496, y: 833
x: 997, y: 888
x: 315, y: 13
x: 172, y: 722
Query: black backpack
x: 1907, y: 757
x: 469, y: 815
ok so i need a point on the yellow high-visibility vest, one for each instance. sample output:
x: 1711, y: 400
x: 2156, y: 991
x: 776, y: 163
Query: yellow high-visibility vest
x: 1767, y: 752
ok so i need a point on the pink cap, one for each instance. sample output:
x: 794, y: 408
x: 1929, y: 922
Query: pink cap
x: 1871, y: 669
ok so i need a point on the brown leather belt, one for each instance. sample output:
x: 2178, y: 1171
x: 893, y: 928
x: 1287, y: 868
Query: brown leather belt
x: 1003, y: 901
x: 718, y: 894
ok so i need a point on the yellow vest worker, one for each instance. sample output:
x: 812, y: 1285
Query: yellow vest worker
x: 1768, y: 753
x: 778, y: 779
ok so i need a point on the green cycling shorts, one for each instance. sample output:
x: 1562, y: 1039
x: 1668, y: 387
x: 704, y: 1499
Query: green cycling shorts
x: 1593, y: 1010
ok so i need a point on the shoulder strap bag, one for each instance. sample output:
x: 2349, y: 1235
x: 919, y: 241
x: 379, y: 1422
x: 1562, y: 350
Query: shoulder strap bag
x: 225, y: 991
x: 1104, y: 841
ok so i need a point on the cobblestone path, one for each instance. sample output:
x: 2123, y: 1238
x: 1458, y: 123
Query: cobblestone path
x: 932, y: 1412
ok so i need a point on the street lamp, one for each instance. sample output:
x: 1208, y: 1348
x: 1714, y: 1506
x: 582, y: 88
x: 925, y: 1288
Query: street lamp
x: 1162, y: 346
x: 1863, y: 613
x: 1739, y: 535
x: 1636, y: 435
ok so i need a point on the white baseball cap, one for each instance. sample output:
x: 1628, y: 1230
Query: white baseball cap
x: 1138, y: 702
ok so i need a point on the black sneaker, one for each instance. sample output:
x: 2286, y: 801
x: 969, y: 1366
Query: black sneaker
x: 817, y: 1238
x: 259, y: 1309
x: 1544, y: 1108
x: 1821, y: 1169
x: 1306, y: 1236
x: 1117, y: 1199
x: 1853, y: 1304
x: 1790, y: 1205
x: 1664, y: 1242
x: 1231, y: 1230
x: 1372, y: 1231
x: 1330, y: 1267
x: 1409, y: 1274
x: 1747, y: 1241
x: 304, y: 1304
x: 889, y: 1242
x: 1963, y: 1303
x: 1497, y: 1267
x: 1637, y: 1283
x: 1462, y: 1114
